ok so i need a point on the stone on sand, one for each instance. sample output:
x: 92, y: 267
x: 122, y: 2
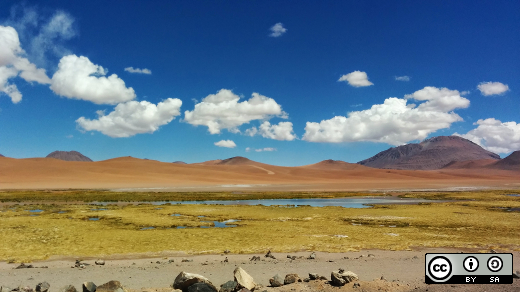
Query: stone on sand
x: 185, y: 280
x: 276, y: 281
x: 89, y: 287
x: 229, y: 286
x: 243, y: 279
x: 202, y: 287
x: 340, y: 278
x: 43, y: 287
x: 68, y: 288
x: 291, y: 278
x: 112, y: 286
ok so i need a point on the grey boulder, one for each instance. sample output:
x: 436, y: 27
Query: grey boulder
x: 202, y: 287
x: 276, y: 281
x: 340, y: 278
x: 229, y: 286
x: 185, y: 280
x: 43, y: 287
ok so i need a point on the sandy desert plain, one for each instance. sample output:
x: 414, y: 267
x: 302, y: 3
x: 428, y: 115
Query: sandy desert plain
x: 47, y: 220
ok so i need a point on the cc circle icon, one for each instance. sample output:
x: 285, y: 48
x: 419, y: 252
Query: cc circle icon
x: 439, y: 268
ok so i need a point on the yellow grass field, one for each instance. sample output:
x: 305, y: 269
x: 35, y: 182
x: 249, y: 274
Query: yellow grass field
x: 482, y: 220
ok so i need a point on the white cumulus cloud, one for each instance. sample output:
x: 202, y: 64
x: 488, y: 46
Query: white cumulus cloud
x: 224, y: 111
x: 283, y: 131
x: 43, y: 36
x: 495, y: 135
x: 138, y: 71
x: 268, y: 149
x: 492, y: 88
x: 226, y: 143
x: 277, y: 30
x: 133, y: 117
x: 394, y: 122
x: 402, y: 78
x: 78, y: 78
x: 13, y: 64
x: 356, y: 79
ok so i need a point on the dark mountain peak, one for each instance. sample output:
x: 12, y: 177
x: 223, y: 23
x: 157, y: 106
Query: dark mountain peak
x: 433, y: 153
x: 69, y: 156
x: 179, y: 162
x: 1, y: 155
x: 235, y: 160
x: 510, y: 162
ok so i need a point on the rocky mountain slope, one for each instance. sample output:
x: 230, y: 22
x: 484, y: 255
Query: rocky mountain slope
x: 511, y: 162
x: 69, y: 156
x: 433, y: 153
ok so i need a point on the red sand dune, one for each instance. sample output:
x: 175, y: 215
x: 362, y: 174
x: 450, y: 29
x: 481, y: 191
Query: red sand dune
x: 129, y: 172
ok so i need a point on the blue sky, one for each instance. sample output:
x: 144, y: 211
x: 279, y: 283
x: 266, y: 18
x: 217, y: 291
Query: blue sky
x: 280, y: 82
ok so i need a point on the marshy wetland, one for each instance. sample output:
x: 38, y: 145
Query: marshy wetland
x: 67, y: 225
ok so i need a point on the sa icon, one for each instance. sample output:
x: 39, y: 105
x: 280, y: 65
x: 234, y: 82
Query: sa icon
x: 439, y: 268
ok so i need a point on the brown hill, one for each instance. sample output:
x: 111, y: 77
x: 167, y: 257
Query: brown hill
x: 130, y: 173
x: 511, y: 162
x: 69, y: 156
x: 469, y: 164
x: 334, y: 164
x: 433, y: 153
x: 237, y: 160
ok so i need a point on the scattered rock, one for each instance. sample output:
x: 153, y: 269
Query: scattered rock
x: 244, y: 290
x: 202, y: 287
x: 291, y: 278
x: 171, y: 261
x: 356, y: 285
x: 383, y: 278
x: 227, y: 251
x: 415, y: 257
x: 68, y: 288
x: 185, y: 280
x: 243, y: 279
x: 371, y: 255
x: 229, y: 286
x: 340, y: 278
x: 312, y: 256
x: 43, y: 287
x: 112, y: 286
x: 315, y: 276
x: 24, y: 266
x: 186, y: 261
x: 100, y: 262
x: 255, y: 258
x: 269, y: 255
x: 516, y: 275
x: 276, y: 281
x: 492, y: 251
x: 226, y: 260
x: 5, y: 289
x: 89, y: 287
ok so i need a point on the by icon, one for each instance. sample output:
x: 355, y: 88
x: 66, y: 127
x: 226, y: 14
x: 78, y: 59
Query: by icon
x: 470, y: 264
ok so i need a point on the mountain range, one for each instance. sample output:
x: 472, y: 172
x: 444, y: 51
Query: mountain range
x: 442, y: 152
x: 433, y: 153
